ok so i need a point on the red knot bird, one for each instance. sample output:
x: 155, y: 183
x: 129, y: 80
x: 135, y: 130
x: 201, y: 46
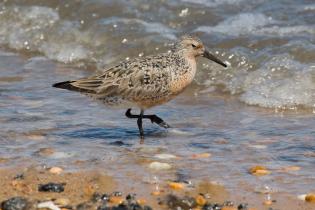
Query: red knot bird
x: 145, y: 82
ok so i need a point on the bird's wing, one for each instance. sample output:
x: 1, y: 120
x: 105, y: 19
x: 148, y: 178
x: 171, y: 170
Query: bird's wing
x: 132, y: 80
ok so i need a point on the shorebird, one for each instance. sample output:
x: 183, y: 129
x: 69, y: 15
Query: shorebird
x: 145, y: 82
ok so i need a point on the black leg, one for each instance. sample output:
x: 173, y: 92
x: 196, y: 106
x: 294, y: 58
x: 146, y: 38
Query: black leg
x: 139, y: 122
x: 153, y: 118
x: 129, y: 115
x: 157, y: 120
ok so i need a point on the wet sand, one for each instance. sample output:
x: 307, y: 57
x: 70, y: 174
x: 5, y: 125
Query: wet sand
x: 81, y: 185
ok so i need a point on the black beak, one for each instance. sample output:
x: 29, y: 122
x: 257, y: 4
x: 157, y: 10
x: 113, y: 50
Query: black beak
x: 208, y: 55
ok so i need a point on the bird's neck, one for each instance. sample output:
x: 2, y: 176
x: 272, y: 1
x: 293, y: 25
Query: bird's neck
x: 183, y: 73
x: 190, y: 60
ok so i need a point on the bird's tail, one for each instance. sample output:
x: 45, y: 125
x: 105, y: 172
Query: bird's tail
x: 64, y: 85
x: 68, y: 86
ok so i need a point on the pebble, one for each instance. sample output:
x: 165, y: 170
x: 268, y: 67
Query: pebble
x: 62, y: 201
x: 259, y: 171
x: 156, y: 193
x: 267, y: 202
x: 36, y: 137
x: 310, y: 198
x: 301, y: 197
x: 117, y: 193
x: 55, y: 170
x: 176, y: 185
x: 159, y: 166
x: 141, y: 201
x: 116, y: 199
x: 165, y: 156
x: 201, y: 155
x: 258, y: 146
x: 175, y: 202
x: 51, y: 187
x: 48, y: 205
x: 15, y: 203
x: 44, y: 152
x: 200, y: 200
x: 242, y: 206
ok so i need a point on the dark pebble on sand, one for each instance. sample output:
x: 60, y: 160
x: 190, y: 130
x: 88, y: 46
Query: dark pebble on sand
x: 228, y: 203
x: 184, y: 203
x: 117, y: 194
x: 51, y: 187
x: 131, y: 197
x: 96, y: 197
x: 15, y: 203
x: 19, y: 176
x: 207, y: 207
x: 242, y: 206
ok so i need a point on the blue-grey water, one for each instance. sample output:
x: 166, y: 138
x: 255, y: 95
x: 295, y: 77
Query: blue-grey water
x: 258, y: 111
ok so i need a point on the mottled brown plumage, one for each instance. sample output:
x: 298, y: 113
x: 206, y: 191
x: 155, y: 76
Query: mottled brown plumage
x: 145, y: 82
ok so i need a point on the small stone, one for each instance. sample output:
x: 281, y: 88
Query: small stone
x: 301, y: 197
x: 55, y: 170
x: 105, y: 197
x: 15, y: 203
x: 165, y: 156
x: 207, y: 207
x: 62, y: 201
x: 48, y: 205
x: 267, y: 202
x: 228, y: 203
x: 201, y: 155
x: 117, y: 193
x: 310, y: 198
x: 116, y: 199
x: 156, y: 193
x: 44, y: 152
x: 160, y: 166
x: 131, y: 197
x: 259, y: 171
x: 175, y: 202
x: 200, y: 200
x: 51, y: 187
x: 36, y: 137
x: 242, y: 206
x: 96, y: 197
x: 176, y: 186
x: 141, y: 201
x: 19, y: 176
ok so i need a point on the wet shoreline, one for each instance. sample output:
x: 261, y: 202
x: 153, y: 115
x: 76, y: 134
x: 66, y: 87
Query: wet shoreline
x: 259, y: 112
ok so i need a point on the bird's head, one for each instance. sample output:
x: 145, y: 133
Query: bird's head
x: 193, y: 47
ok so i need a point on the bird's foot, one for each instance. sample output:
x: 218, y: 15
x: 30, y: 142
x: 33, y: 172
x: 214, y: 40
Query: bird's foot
x: 157, y: 120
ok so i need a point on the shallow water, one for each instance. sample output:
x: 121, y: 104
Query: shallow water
x: 270, y: 49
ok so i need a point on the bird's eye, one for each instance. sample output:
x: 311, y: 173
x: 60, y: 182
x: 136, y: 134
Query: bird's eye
x: 194, y: 46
